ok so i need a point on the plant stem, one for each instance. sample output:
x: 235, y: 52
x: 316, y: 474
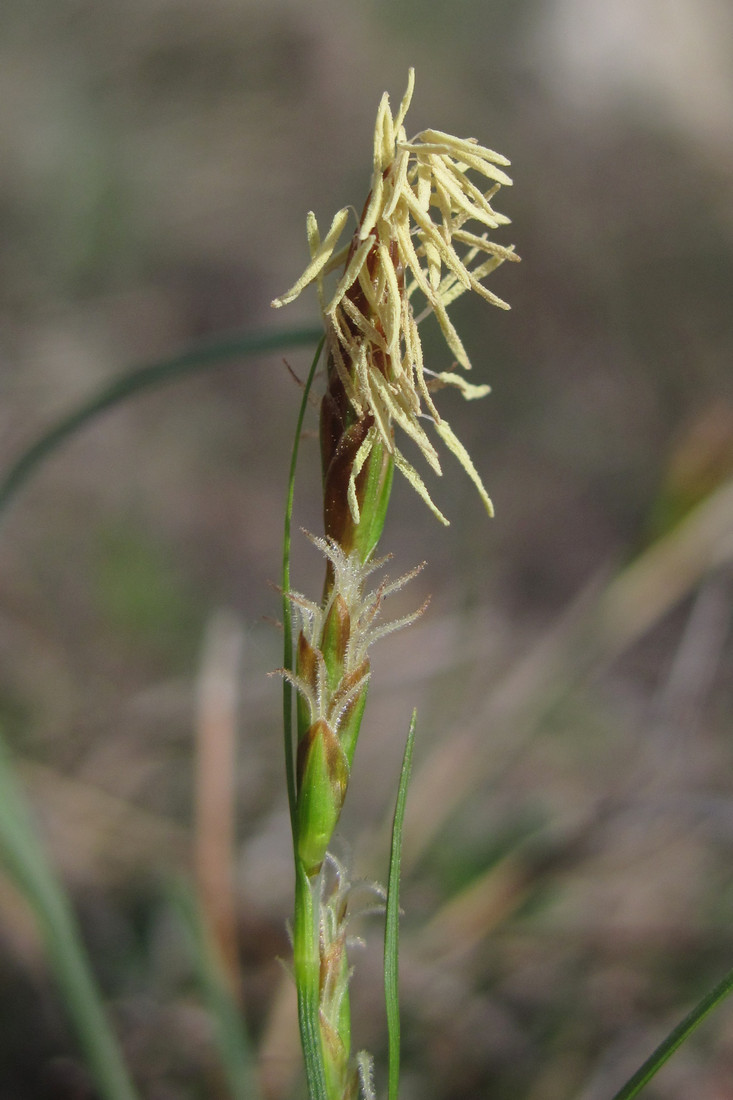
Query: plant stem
x: 307, y: 964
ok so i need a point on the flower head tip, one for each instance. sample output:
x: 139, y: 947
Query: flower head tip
x: 412, y: 245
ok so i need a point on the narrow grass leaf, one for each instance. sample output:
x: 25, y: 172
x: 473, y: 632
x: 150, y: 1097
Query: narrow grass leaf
x: 196, y: 359
x: 25, y: 861
x: 676, y: 1038
x: 287, y: 608
x: 392, y: 920
x: 232, y: 1040
x: 306, y: 959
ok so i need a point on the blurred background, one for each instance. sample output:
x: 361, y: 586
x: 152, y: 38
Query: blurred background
x: 567, y: 883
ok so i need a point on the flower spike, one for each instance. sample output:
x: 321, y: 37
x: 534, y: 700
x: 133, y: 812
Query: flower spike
x: 410, y: 240
x: 423, y: 239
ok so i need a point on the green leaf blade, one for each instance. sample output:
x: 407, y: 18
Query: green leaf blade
x: 26, y: 863
x: 208, y: 354
x: 230, y: 1035
x: 392, y: 920
x: 676, y: 1038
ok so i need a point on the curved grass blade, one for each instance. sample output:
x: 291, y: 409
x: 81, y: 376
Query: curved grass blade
x: 676, y: 1038
x: 232, y: 1040
x: 392, y: 920
x: 25, y: 861
x: 287, y: 611
x: 198, y: 358
x: 306, y: 953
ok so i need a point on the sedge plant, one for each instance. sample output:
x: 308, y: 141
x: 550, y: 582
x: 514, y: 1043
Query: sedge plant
x: 423, y: 238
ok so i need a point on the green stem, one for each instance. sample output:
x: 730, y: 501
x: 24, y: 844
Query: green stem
x: 676, y: 1038
x: 307, y: 965
x: 198, y: 358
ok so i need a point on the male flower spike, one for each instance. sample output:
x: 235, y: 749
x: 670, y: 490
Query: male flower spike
x: 411, y: 245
